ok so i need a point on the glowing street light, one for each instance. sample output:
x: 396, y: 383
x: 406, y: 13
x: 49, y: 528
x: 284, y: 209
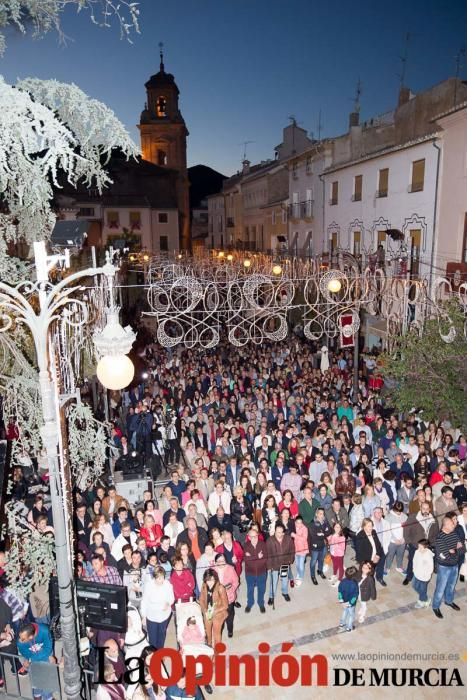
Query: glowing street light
x: 334, y: 286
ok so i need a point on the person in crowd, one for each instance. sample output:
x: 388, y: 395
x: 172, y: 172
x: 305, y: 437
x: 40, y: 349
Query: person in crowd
x: 348, y: 592
x: 214, y: 605
x: 423, y: 567
x: 419, y: 526
x: 256, y: 570
x: 337, y: 544
x: 280, y: 554
x: 319, y: 533
x: 367, y: 588
x: 156, y: 607
x: 182, y: 580
x: 448, y: 549
x: 396, y: 519
x: 35, y: 644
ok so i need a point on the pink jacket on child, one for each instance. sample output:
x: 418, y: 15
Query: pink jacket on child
x: 301, y: 539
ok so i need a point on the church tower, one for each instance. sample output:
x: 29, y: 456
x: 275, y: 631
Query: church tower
x: 163, y: 139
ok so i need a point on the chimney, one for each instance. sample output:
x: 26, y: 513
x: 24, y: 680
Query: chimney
x: 404, y: 96
x: 246, y: 167
x: 354, y: 119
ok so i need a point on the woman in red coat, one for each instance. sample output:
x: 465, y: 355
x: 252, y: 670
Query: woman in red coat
x: 182, y: 581
x: 151, y: 532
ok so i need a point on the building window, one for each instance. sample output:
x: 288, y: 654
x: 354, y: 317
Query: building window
x: 284, y: 215
x: 357, y: 188
x: 164, y: 243
x: 86, y: 211
x: 113, y: 220
x: 309, y: 240
x: 464, y: 249
x: 383, y: 181
x: 161, y: 157
x: 309, y: 204
x: 334, y: 193
x: 161, y: 106
x: 273, y: 217
x: 308, y: 165
x: 415, y: 246
x: 135, y: 220
x: 357, y: 243
x: 230, y: 222
x: 381, y: 239
x: 333, y: 242
x: 418, y: 175
x: 163, y: 217
x: 295, y: 170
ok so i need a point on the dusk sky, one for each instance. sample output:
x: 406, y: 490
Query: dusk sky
x: 244, y: 66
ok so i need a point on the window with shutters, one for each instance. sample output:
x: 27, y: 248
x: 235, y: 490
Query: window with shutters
x: 113, y: 219
x: 135, y: 220
x: 357, y: 188
x: 334, y: 193
x: 333, y: 242
x: 383, y: 182
x: 418, y: 175
x: 357, y: 243
x: 164, y: 243
x: 163, y: 217
x: 381, y: 239
x: 415, y: 247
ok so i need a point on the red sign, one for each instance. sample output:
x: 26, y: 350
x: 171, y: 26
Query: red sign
x: 347, y: 335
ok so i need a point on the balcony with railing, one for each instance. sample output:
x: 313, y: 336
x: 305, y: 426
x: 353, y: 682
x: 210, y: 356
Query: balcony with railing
x: 301, y: 210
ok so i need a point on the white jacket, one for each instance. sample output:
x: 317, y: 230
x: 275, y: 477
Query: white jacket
x: 119, y: 543
x: 423, y: 564
x: 213, y: 502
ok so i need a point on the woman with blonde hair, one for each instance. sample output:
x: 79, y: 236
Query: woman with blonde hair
x: 102, y: 525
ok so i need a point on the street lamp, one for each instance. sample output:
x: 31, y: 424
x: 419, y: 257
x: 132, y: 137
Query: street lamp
x: 276, y: 270
x: 58, y: 302
x: 247, y: 263
x: 335, y: 285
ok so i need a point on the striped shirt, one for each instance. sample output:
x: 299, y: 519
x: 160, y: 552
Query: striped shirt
x: 111, y: 575
x: 444, y: 542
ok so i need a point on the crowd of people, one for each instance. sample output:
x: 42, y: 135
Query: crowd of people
x: 275, y: 472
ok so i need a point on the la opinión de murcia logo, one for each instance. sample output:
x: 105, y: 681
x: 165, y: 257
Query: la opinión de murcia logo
x: 246, y: 670
x: 283, y: 670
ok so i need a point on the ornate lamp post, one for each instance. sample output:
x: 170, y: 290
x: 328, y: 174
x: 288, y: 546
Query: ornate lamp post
x: 40, y: 305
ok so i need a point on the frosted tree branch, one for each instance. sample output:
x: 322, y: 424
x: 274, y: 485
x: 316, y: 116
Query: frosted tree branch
x: 49, y: 130
x: 38, y: 17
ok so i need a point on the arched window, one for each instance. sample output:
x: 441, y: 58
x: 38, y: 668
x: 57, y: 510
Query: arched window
x: 161, y: 106
x: 161, y: 157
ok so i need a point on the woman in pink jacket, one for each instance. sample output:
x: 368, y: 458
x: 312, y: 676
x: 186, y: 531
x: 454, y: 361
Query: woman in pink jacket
x: 337, y: 543
x: 182, y: 581
x: 300, y: 538
x: 229, y: 579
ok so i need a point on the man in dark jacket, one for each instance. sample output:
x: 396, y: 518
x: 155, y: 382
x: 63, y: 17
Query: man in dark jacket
x: 256, y: 569
x: 196, y: 537
x: 418, y: 526
x: 318, y: 532
x: 220, y: 520
x: 337, y: 514
x: 281, y: 554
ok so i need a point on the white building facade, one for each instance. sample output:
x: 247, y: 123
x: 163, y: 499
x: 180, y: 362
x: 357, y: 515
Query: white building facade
x: 393, y: 189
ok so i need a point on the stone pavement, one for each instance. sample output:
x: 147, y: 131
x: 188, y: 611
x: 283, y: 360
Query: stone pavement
x: 392, y: 626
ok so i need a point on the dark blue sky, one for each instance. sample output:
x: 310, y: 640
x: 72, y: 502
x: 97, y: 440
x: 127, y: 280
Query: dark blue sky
x: 244, y: 66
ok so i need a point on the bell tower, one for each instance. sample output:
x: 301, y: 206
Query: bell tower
x: 163, y: 138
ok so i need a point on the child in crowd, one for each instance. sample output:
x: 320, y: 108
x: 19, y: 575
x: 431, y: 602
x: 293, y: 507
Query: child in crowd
x: 337, y: 544
x: 348, y: 595
x: 192, y: 633
x: 367, y: 587
x: 423, y: 566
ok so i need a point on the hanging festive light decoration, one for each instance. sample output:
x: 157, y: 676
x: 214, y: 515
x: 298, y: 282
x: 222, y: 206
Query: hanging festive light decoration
x: 200, y: 300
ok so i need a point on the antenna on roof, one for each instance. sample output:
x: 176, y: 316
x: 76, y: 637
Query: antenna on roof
x: 403, y: 59
x: 320, y: 125
x: 459, y: 67
x: 245, y: 144
x: 358, y: 93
